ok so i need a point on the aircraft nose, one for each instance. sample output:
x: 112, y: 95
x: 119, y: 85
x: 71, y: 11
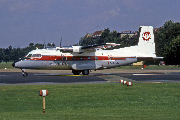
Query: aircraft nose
x: 13, y: 64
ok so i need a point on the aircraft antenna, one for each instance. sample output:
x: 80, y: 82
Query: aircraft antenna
x: 44, y: 43
x: 60, y: 42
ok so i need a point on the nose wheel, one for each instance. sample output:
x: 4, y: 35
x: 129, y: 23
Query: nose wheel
x: 25, y: 74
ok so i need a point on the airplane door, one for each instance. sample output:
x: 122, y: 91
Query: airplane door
x: 102, y: 60
x: 64, y: 59
x: 108, y: 59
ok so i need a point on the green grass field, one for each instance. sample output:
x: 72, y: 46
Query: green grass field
x: 151, y: 67
x: 4, y: 65
x: 92, y: 101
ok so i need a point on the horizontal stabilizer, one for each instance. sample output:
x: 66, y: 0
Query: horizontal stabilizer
x: 148, y: 58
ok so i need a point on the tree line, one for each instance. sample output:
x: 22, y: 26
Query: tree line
x: 110, y: 37
x: 7, y: 54
x: 167, y: 39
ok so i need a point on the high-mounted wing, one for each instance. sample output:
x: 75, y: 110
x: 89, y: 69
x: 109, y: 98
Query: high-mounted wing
x: 92, y: 46
x: 89, y: 48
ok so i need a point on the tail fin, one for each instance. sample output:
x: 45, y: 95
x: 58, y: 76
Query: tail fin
x: 146, y: 41
x: 145, y: 50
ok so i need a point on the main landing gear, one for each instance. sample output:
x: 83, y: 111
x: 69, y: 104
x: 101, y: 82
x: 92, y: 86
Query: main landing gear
x: 25, y: 74
x: 77, y: 72
x: 85, y: 72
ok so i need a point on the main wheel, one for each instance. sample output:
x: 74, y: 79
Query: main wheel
x: 85, y: 72
x: 76, y: 72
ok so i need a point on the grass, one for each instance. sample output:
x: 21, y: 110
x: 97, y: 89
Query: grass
x: 151, y: 67
x: 92, y: 101
x: 4, y: 65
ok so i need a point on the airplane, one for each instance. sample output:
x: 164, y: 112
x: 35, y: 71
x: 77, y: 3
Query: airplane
x: 82, y: 59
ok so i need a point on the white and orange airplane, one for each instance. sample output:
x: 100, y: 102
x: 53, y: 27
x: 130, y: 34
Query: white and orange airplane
x: 93, y: 57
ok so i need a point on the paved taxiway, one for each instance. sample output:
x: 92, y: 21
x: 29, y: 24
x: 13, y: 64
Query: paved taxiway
x: 14, y: 77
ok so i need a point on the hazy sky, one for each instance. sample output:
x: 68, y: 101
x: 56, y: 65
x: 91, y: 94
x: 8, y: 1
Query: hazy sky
x: 29, y: 21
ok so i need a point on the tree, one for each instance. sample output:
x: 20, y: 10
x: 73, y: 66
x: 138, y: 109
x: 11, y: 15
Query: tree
x: 39, y: 46
x: 17, y: 53
x: 31, y: 45
x: 2, y: 55
x: 109, y: 37
x: 6, y: 58
x: 51, y: 44
x: 87, y: 41
x: 172, y: 52
x: 104, y: 38
x: 166, y: 39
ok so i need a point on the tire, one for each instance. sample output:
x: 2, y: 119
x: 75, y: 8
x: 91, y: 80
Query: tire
x: 25, y: 74
x: 76, y: 72
x: 85, y: 72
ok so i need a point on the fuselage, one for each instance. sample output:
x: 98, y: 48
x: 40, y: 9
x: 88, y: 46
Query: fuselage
x: 54, y: 59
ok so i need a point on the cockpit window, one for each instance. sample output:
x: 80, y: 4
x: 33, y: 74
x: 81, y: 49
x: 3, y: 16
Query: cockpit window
x: 29, y: 55
x: 33, y: 55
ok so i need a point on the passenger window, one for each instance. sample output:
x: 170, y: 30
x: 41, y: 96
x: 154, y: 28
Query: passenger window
x: 73, y: 58
x: 36, y: 55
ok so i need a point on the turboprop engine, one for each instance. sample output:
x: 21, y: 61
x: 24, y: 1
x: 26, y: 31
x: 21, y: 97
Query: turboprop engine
x: 73, y: 49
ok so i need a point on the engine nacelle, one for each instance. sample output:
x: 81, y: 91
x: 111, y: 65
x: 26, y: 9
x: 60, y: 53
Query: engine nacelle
x: 77, y: 49
x: 73, y: 49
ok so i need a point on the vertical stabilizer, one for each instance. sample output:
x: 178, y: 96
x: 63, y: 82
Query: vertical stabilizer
x: 146, y: 41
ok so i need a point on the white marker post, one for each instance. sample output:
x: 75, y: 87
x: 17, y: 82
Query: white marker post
x: 129, y: 83
x: 43, y: 93
x: 124, y: 82
x: 121, y: 81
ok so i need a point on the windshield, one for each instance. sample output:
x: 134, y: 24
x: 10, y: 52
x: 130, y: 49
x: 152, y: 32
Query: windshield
x: 33, y: 55
x: 28, y: 56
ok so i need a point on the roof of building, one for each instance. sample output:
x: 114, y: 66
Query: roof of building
x: 97, y: 33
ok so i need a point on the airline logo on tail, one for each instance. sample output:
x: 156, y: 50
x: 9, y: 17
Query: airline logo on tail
x: 146, y: 36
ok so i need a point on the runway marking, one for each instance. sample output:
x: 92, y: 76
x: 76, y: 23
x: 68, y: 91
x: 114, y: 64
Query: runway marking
x: 3, y: 75
x: 151, y: 82
x: 66, y: 75
x: 147, y: 74
x: 59, y: 75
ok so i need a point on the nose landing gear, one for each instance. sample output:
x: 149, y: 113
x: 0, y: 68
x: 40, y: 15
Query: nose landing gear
x: 25, y: 74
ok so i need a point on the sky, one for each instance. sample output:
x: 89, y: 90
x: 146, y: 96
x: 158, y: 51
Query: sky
x: 37, y: 21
